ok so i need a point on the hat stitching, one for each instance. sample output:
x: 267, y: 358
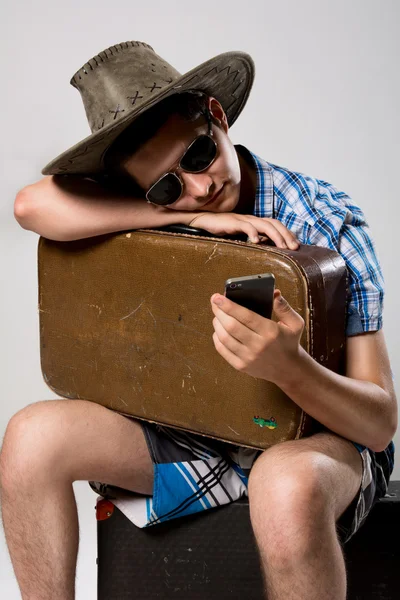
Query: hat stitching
x: 84, y: 151
x: 230, y: 72
x: 100, y: 57
x: 116, y: 111
x: 153, y: 87
x: 228, y: 69
x: 134, y: 98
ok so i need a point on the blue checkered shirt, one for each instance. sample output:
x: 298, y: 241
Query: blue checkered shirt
x: 319, y: 214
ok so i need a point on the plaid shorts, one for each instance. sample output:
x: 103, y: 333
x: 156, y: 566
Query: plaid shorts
x: 193, y: 473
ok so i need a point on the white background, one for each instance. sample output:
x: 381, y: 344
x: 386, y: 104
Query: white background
x: 325, y: 102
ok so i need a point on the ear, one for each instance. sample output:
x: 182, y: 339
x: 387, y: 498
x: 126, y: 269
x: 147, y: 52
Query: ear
x: 218, y: 113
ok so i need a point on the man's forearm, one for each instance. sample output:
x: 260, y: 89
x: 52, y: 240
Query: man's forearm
x: 72, y: 208
x: 357, y: 410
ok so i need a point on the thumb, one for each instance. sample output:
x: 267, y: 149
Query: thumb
x: 285, y: 313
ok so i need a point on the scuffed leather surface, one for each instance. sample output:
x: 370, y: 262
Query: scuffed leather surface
x: 125, y: 321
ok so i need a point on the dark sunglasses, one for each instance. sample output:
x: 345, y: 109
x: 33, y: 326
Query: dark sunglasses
x: 197, y: 158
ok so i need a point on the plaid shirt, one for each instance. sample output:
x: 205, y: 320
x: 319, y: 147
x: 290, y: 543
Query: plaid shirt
x: 321, y: 215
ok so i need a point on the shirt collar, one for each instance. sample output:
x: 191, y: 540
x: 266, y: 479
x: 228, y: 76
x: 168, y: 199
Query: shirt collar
x: 264, y: 200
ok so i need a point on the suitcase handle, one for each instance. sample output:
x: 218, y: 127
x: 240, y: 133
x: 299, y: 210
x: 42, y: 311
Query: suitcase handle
x: 181, y: 228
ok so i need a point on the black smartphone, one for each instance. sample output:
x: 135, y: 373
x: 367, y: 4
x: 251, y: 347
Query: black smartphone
x: 255, y: 292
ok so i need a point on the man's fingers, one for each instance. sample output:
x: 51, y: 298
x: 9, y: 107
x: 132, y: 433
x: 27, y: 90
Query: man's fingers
x: 236, y: 320
x: 268, y: 228
x: 276, y: 231
x: 279, y: 234
x: 290, y: 238
x: 251, y: 231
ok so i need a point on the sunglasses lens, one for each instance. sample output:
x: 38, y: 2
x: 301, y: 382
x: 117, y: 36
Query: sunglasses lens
x: 200, y: 155
x: 166, y: 191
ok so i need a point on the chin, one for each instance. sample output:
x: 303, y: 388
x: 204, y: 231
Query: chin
x: 228, y: 201
x: 225, y: 207
x: 229, y: 204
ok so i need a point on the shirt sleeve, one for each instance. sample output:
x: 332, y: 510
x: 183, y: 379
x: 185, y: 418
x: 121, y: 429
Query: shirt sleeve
x: 337, y: 223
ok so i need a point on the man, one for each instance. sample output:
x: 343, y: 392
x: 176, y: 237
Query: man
x: 175, y: 151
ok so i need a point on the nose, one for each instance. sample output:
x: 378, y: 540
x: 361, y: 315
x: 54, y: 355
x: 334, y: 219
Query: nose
x: 196, y: 185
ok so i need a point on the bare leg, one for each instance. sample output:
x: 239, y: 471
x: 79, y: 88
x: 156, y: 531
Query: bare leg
x: 316, y: 572
x: 297, y: 491
x: 47, y: 446
x: 42, y: 535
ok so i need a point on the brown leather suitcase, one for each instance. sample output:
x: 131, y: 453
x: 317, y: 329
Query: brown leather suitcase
x: 126, y: 322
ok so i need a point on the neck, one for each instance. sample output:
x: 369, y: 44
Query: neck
x: 248, y: 184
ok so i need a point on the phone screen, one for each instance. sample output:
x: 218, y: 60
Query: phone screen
x: 255, y: 292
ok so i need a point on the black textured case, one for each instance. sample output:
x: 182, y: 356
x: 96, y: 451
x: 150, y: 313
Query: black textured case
x: 212, y: 555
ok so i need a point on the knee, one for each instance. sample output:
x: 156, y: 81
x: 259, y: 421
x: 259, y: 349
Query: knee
x: 33, y: 440
x: 288, y: 506
x: 285, y: 484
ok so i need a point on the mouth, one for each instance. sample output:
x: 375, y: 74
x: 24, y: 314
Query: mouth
x: 215, y: 196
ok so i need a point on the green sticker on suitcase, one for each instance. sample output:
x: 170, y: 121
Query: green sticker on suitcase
x: 270, y: 423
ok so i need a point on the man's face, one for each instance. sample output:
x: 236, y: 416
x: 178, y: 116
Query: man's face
x: 163, y: 151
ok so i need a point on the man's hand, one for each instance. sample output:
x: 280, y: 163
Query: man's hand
x: 253, y: 344
x: 231, y: 223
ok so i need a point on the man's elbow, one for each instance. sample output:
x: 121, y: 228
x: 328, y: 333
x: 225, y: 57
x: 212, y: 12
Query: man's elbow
x: 23, y: 206
x: 382, y: 446
x: 391, y: 422
x: 31, y: 211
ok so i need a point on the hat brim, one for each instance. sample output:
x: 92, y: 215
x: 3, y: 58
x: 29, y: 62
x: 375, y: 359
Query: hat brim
x: 227, y: 77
